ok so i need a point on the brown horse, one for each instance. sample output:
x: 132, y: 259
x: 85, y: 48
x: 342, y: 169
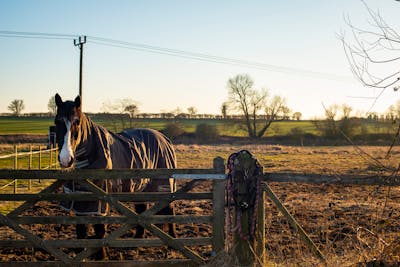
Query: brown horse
x: 84, y: 144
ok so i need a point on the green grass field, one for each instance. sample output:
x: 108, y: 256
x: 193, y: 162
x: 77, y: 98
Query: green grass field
x: 35, y: 125
x: 32, y: 125
x: 25, y: 125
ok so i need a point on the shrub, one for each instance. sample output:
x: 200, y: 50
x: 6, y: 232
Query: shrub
x: 173, y: 130
x: 349, y: 126
x: 207, y: 132
x: 297, y: 133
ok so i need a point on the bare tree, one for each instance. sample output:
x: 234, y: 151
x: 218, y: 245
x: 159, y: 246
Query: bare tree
x: 391, y: 113
x: 192, y: 111
x: 331, y: 112
x: 132, y: 110
x: 251, y: 102
x: 338, y: 122
x: 121, y: 107
x: 177, y: 111
x: 328, y: 127
x: 16, y: 106
x: 373, y: 52
x: 346, y: 111
x: 51, y: 106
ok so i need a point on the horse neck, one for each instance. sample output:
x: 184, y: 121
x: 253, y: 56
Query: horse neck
x: 84, y: 142
x: 88, y: 134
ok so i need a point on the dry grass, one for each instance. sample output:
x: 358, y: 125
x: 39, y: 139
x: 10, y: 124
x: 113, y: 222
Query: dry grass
x: 351, y: 224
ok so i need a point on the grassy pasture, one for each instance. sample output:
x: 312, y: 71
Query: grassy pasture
x: 25, y: 125
x: 34, y: 125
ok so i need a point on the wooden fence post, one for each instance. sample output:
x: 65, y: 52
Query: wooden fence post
x: 29, y: 167
x: 244, y: 248
x: 218, y: 208
x: 260, y: 234
x: 15, y: 167
x: 248, y: 241
x: 51, y: 156
x: 40, y: 158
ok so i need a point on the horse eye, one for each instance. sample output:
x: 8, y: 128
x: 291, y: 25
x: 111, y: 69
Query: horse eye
x: 77, y: 121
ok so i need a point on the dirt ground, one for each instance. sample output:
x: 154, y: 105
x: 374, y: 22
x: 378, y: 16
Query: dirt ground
x: 351, y: 225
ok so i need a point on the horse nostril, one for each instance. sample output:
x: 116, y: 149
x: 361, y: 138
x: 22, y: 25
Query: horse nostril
x: 71, y: 162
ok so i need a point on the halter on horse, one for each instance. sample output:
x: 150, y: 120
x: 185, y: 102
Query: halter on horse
x: 84, y: 144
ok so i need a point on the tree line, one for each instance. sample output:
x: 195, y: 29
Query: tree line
x: 255, y: 108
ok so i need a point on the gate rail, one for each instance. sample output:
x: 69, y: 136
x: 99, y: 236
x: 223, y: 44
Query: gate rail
x: 127, y: 217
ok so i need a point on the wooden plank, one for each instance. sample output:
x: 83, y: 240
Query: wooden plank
x: 29, y: 204
x: 184, y: 219
x: 118, y: 243
x: 113, y: 236
x: 155, y: 263
x: 165, y: 202
x: 167, y: 173
x: 21, y: 154
x: 128, y: 212
x: 332, y: 179
x: 83, y: 174
x: 218, y: 216
x: 200, y: 176
x: 292, y: 221
x: 174, y: 243
x: 36, y: 240
x: 135, y: 197
x: 150, y: 227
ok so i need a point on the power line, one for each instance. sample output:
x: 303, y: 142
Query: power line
x: 215, y: 59
x: 37, y: 35
x: 179, y: 53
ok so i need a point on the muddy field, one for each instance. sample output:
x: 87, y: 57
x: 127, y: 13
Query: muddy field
x: 350, y: 224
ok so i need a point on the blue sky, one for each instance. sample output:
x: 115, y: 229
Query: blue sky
x: 295, y: 34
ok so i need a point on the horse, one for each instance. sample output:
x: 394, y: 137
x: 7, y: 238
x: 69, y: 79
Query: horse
x: 84, y: 144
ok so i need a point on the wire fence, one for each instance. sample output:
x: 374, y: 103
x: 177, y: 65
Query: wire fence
x: 39, y: 159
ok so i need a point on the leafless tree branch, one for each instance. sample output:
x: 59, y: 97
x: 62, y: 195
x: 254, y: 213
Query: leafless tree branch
x: 373, y: 52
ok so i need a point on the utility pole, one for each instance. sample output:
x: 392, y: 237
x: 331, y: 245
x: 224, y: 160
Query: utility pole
x: 79, y: 43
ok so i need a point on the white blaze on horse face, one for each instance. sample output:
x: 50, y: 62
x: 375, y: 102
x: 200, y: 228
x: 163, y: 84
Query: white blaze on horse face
x: 66, y: 154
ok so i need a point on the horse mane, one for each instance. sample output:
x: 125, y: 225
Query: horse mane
x: 86, y: 127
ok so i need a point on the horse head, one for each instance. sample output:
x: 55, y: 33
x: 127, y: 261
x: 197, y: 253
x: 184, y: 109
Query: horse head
x: 68, y: 122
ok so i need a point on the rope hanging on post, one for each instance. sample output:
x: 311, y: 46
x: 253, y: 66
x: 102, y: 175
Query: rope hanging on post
x: 243, y: 191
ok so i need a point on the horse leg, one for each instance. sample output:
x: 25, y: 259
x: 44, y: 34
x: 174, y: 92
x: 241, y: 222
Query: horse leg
x: 139, y: 208
x: 99, y: 233
x: 81, y: 233
x: 171, y: 226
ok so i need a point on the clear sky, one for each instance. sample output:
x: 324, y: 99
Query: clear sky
x: 293, y: 34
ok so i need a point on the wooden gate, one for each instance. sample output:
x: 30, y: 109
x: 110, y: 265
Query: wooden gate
x: 127, y: 218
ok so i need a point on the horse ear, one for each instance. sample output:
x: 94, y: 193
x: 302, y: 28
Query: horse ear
x: 58, y: 100
x: 78, y: 101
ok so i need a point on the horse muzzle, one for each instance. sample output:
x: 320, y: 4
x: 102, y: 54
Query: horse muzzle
x: 66, y: 162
